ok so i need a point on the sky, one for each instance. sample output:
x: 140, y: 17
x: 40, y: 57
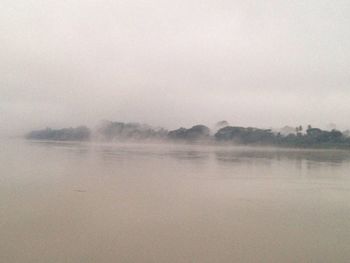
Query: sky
x: 174, y: 63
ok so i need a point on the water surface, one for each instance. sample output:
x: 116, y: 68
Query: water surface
x: 73, y: 202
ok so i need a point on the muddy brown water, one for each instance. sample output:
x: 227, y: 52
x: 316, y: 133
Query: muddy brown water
x: 84, y: 202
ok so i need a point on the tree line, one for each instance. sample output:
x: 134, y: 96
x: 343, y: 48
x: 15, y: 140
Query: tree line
x: 224, y: 134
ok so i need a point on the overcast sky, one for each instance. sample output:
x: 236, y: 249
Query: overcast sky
x: 174, y: 63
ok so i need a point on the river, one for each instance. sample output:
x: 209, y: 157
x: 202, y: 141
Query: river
x: 89, y: 203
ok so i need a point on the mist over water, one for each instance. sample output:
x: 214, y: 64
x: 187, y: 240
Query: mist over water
x: 86, y: 202
x: 116, y: 71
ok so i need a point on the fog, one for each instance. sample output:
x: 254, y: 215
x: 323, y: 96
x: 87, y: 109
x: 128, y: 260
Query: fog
x: 174, y: 63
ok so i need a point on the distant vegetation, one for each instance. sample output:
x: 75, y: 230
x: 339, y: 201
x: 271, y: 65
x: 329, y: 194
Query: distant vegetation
x: 114, y: 131
x: 119, y: 131
x: 81, y: 133
x: 314, y: 137
x: 197, y: 132
x: 243, y: 135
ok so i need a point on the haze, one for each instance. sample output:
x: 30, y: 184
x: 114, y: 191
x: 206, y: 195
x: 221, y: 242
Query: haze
x: 174, y: 63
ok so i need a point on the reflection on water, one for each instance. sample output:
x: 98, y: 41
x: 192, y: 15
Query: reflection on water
x: 329, y: 156
x: 78, y: 202
x: 195, y: 152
